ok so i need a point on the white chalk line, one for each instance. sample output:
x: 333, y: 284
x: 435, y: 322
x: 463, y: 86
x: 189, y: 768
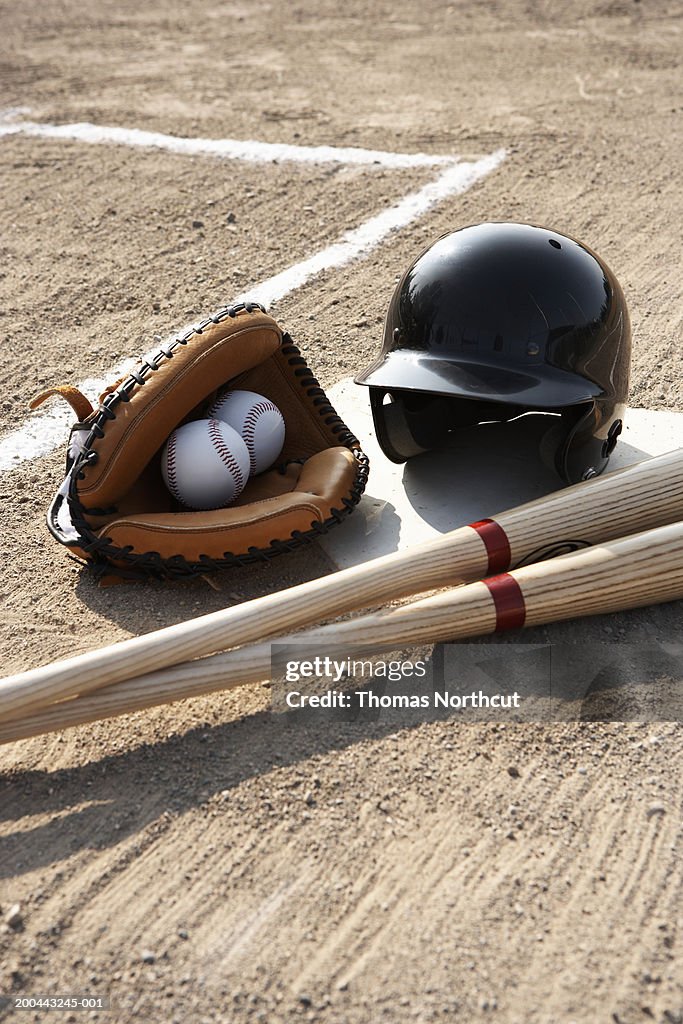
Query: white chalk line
x: 42, y: 433
x: 230, y: 149
x: 359, y: 241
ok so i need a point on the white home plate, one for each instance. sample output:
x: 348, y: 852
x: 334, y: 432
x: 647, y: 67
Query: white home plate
x: 493, y: 468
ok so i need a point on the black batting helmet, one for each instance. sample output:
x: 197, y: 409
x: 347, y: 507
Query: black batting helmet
x: 497, y: 320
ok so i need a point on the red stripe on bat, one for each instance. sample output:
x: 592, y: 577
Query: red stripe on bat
x: 509, y: 601
x: 496, y: 543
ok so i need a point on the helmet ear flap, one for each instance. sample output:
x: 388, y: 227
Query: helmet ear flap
x: 552, y: 442
x: 573, y: 447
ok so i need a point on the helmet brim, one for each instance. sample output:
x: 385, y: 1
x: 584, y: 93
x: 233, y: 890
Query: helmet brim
x: 541, y: 386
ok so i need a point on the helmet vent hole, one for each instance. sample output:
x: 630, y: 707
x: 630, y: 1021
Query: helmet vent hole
x: 555, y: 244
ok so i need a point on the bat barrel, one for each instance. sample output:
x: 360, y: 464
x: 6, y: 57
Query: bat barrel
x: 631, y: 572
x: 640, y: 497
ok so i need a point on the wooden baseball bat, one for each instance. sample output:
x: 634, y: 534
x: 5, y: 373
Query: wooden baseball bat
x: 643, y: 496
x: 627, y: 573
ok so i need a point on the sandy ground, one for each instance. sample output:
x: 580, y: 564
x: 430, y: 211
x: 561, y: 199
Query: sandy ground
x: 208, y: 862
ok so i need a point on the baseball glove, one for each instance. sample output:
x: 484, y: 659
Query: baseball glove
x: 113, y: 511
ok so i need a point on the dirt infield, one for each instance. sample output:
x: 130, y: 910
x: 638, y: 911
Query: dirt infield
x: 202, y: 862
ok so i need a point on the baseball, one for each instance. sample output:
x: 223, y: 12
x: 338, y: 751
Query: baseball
x: 257, y: 420
x: 205, y: 464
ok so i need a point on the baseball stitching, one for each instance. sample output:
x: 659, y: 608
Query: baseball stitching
x: 220, y: 404
x: 224, y: 453
x: 250, y: 420
x: 249, y: 429
x: 171, y: 467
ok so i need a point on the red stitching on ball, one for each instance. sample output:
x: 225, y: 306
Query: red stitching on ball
x: 224, y: 453
x: 249, y: 429
x: 171, y: 467
x: 220, y: 404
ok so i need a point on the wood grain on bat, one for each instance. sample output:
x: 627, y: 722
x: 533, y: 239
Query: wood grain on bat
x: 631, y: 572
x: 646, y: 495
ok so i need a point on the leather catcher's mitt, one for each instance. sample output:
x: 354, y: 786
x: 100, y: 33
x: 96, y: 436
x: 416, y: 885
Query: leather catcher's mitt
x: 113, y: 510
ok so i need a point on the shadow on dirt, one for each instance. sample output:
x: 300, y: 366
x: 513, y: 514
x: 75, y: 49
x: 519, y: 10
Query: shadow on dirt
x: 141, y: 607
x: 99, y: 804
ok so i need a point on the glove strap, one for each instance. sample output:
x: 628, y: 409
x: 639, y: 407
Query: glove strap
x: 76, y: 399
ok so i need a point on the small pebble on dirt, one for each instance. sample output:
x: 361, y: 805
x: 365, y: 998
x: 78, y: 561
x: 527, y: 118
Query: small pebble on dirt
x: 14, y: 917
